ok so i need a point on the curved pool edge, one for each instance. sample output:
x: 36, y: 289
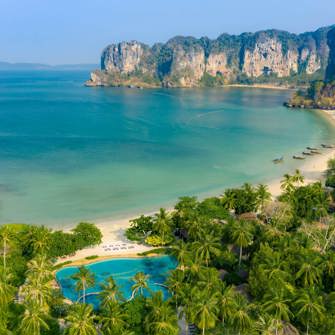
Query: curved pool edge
x: 101, y: 259
x: 65, y: 272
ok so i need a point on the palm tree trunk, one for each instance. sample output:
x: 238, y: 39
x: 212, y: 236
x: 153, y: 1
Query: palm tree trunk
x: 203, y: 331
x: 132, y: 295
x: 240, y: 259
x: 307, y: 328
x: 4, y: 254
x: 84, y: 293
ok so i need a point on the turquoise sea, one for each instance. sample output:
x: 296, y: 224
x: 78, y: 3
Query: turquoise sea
x: 122, y: 270
x: 70, y: 153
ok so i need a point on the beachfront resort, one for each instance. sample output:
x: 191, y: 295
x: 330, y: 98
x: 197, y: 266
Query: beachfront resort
x: 167, y: 167
x: 244, y: 262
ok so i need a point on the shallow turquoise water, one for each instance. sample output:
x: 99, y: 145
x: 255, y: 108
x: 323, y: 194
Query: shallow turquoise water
x: 71, y: 153
x: 122, y: 270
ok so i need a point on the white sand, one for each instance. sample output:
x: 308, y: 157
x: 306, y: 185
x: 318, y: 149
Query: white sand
x: 114, y: 242
x: 313, y: 169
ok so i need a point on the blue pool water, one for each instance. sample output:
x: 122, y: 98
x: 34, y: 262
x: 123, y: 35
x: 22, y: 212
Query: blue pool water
x: 122, y: 270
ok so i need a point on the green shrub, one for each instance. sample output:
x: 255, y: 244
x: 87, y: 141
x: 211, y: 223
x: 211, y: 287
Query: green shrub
x: 82, y: 236
x: 87, y: 234
x: 92, y: 257
x: 139, y: 228
x: 154, y: 251
x: 156, y: 240
x: 60, y: 265
x: 330, y: 181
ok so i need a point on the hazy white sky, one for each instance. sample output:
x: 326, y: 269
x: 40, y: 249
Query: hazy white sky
x: 75, y: 31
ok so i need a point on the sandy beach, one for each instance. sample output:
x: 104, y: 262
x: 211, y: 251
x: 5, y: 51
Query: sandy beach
x: 263, y: 86
x: 115, y: 244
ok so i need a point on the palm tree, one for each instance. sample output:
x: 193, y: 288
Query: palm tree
x: 37, y: 291
x: 175, y: 284
x: 298, y: 178
x: 196, y: 230
x: 268, y: 325
x: 33, y: 321
x: 209, y: 279
x: 181, y: 252
x: 109, y: 292
x: 5, y: 237
x: 241, y: 235
x: 140, y: 283
x: 310, y: 308
x: 229, y: 199
x: 287, y: 184
x: 162, y: 223
x: 278, y: 306
x: 263, y: 195
x: 85, y: 278
x: 161, y: 318
x: 81, y: 320
x: 241, y: 319
x: 194, y: 268
x: 273, y: 268
x: 41, y: 267
x: 166, y: 324
x: 226, y: 302
x: 6, y: 289
x: 4, y: 321
x: 41, y: 239
x: 309, y: 274
x: 205, y: 311
x: 209, y: 246
x: 112, y: 319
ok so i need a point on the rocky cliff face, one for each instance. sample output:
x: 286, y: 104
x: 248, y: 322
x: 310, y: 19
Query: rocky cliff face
x: 330, y: 74
x: 267, y: 56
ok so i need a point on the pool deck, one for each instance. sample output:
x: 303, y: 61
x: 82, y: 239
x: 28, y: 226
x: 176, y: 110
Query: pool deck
x: 85, y: 261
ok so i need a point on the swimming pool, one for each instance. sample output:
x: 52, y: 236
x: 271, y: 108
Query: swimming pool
x: 122, y: 270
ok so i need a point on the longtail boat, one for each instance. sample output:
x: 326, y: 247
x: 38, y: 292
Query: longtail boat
x: 278, y: 160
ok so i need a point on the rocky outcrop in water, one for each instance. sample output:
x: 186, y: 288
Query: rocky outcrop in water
x: 270, y: 56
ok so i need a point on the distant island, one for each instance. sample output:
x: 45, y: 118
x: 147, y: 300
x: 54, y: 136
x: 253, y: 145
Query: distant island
x: 6, y: 66
x: 270, y: 57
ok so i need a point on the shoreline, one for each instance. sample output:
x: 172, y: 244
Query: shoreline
x: 115, y: 244
x: 264, y: 86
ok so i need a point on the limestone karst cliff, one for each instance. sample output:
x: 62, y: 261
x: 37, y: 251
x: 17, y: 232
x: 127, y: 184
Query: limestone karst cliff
x: 330, y: 73
x: 320, y: 93
x: 270, y: 56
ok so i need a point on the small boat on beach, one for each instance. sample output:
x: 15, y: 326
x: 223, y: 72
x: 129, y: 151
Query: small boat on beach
x: 278, y: 160
x: 298, y: 157
x: 311, y: 148
x: 327, y: 146
x: 315, y: 152
x: 307, y: 153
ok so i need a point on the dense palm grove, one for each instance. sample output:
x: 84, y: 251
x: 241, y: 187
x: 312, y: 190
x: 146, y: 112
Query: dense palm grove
x: 246, y: 265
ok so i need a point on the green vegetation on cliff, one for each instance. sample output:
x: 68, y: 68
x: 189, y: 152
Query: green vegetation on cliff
x: 319, y: 95
x: 270, y: 56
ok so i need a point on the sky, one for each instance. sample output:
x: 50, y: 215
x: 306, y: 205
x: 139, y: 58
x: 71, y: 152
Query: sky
x: 76, y: 31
